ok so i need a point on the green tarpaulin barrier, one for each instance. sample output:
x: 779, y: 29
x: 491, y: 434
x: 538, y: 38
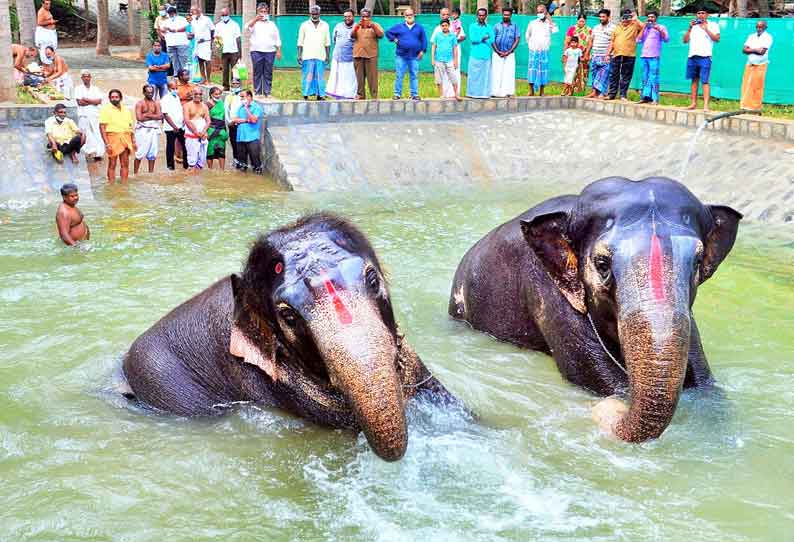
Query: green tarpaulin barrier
x: 726, y: 73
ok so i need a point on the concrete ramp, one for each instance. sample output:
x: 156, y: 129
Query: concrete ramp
x: 554, y: 151
x: 28, y: 171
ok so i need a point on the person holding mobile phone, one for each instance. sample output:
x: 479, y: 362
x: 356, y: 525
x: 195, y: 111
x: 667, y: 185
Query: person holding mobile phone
x: 701, y: 37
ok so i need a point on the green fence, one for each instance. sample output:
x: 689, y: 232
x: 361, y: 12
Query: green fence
x: 726, y: 73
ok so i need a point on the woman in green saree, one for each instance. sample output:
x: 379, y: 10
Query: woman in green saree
x: 217, y: 134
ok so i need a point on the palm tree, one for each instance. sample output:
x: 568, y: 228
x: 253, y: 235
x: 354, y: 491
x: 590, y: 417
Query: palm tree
x: 249, y: 12
x: 102, y: 28
x: 8, y: 87
x: 26, y: 12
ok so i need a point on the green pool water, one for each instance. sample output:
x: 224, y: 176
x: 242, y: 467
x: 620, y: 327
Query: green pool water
x: 77, y: 464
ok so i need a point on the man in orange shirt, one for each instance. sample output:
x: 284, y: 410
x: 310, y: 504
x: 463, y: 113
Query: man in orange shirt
x: 623, y: 52
x: 184, y: 88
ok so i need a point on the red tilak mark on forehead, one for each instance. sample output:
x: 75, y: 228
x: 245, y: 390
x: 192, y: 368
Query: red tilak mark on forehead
x: 656, y: 270
x: 342, y: 313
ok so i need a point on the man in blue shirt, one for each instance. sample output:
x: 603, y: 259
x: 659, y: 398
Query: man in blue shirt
x: 503, y: 60
x: 158, y: 63
x: 249, y: 120
x: 411, y: 43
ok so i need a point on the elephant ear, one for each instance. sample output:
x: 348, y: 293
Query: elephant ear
x: 262, y: 352
x: 546, y: 235
x: 720, y: 239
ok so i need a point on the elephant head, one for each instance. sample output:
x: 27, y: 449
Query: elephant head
x: 631, y: 256
x: 312, y: 309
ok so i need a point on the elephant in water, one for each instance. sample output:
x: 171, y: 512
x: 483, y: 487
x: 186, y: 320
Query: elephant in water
x: 604, y: 282
x: 307, y: 327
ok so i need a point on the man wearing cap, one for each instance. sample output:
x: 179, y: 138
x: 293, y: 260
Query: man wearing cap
x: 89, y: 98
x: 265, y: 44
x: 314, y: 44
x: 175, y: 31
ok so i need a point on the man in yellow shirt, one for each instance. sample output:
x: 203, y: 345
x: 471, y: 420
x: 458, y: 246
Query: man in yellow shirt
x: 116, y: 126
x: 623, y: 52
x: 63, y: 135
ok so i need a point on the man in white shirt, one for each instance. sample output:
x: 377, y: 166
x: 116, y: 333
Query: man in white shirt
x: 203, y: 33
x: 314, y: 48
x: 89, y: 98
x: 175, y: 31
x: 265, y: 43
x: 701, y: 37
x: 538, y: 37
x: 173, y: 125
x: 229, y: 33
x: 756, y: 47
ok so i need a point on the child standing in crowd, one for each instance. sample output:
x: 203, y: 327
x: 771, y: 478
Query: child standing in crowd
x: 445, y: 57
x: 570, y: 64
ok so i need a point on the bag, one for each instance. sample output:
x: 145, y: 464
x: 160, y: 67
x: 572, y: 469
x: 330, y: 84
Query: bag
x: 240, y: 71
x: 195, y: 71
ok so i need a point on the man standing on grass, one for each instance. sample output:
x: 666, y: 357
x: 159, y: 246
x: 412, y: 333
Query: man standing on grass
x: 411, y: 41
x: 599, y: 60
x: 365, y: 37
x: 479, y: 72
x: 757, y: 50
x: 158, y: 64
x: 623, y: 54
x: 265, y: 44
x: 314, y: 50
x: 701, y: 37
x: 229, y: 33
x: 503, y: 60
x: 538, y: 37
x: 116, y: 126
x: 652, y: 37
x: 342, y: 79
x: 89, y: 98
x: 203, y: 33
x: 147, y: 128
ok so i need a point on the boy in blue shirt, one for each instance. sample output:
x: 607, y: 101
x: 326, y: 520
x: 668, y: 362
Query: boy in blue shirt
x: 445, y: 56
x: 158, y: 63
x: 249, y: 129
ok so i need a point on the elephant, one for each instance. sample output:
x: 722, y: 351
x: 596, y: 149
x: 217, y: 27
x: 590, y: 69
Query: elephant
x: 307, y: 327
x: 604, y: 282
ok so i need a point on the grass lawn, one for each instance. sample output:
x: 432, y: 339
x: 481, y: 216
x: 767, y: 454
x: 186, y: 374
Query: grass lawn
x: 287, y: 84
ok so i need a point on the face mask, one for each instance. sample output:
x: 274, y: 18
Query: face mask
x: 541, y: 16
x: 236, y: 90
x: 173, y: 93
x: 59, y: 120
x: 115, y: 102
x: 225, y: 18
x: 162, y: 14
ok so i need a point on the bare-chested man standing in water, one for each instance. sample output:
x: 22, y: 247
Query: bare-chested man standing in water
x: 69, y: 219
x: 148, y: 118
x: 197, y: 121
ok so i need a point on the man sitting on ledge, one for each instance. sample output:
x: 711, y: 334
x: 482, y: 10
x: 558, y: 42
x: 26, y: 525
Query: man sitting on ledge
x: 63, y: 135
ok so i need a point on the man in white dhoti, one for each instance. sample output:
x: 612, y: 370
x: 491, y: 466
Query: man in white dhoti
x: 56, y: 72
x: 45, y: 29
x: 89, y: 98
x: 342, y: 82
x: 197, y: 120
x: 456, y: 27
x: 503, y: 60
x: 203, y: 32
x: 148, y: 119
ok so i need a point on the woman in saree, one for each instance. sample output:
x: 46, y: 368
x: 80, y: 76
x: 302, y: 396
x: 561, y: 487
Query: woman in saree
x: 585, y: 35
x: 216, y: 133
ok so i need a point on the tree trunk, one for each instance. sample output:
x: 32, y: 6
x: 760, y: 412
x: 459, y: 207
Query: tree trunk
x: 482, y: 4
x: 281, y: 7
x: 665, y: 8
x: 353, y: 7
x: 102, y: 28
x: 370, y: 5
x: 763, y: 9
x: 614, y: 8
x: 641, y: 7
x: 780, y: 6
x: 249, y: 12
x: 131, y: 10
x: 219, y: 5
x: 87, y: 26
x: 26, y: 13
x: 741, y: 8
x: 8, y: 87
x: 145, y: 29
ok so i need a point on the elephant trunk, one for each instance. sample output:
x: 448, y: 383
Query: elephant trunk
x: 655, y: 346
x: 360, y: 356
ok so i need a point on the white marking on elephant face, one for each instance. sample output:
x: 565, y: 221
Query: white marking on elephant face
x: 460, y: 301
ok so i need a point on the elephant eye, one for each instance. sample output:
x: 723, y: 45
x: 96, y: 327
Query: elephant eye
x: 288, y: 315
x: 603, y: 267
x: 371, y: 276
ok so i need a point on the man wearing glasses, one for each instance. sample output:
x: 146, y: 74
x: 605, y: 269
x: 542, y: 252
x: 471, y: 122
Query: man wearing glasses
x: 411, y: 43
